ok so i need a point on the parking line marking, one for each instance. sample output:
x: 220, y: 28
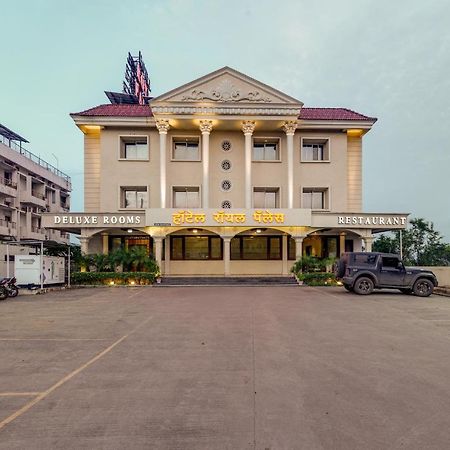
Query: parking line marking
x: 18, y: 394
x: 49, y: 339
x: 68, y: 377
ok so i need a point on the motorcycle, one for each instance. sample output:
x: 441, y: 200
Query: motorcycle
x: 8, y: 288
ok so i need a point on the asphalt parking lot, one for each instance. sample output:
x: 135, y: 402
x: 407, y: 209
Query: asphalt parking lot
x: 278, y: 368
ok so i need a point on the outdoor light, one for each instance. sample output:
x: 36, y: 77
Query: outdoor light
x: 132, y: 283
x: 111, y: 283
x: 130, y: 230
x: 195, y: 230
x: 258, y: 231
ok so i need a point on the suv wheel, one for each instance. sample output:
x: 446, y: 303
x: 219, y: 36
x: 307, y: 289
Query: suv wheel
x: 423, y: 287
x: 363, y: 286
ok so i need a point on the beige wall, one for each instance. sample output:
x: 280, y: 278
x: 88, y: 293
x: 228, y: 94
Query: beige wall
x: 116, y: 173
x: 235, y: 175
x: 331, y: 175
x: 442, y: 274
x: 354, y: 174
x: 105, y: 173
x: 92, y: 170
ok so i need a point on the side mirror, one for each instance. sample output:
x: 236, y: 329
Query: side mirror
x: 400, y: 265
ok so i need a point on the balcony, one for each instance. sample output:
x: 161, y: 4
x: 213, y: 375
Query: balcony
x: 34, y: 232
x: 7, y: 228
x: 34, y: 198
x: 8, y: 187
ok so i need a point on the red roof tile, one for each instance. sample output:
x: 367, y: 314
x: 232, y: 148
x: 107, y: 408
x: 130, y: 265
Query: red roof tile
x: 124, y: 110
x: 333, y: 114
x: 117, y: 110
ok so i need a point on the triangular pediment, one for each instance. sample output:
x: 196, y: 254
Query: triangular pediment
x: 226, y: 86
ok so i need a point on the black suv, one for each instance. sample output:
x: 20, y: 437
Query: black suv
x: 362, y: 272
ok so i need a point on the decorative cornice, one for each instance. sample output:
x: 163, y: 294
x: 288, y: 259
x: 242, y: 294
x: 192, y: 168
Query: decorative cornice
x: 162, y: 125
x: 226, y: 110
x: 290, y: 126
x: 226, y: 92
x: 248, y: 126
x: 206, y: 126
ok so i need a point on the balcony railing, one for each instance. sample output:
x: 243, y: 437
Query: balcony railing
x: 7, y: 223
x: 36, y: 159
x: 38, y: 195
x: 8, y: 182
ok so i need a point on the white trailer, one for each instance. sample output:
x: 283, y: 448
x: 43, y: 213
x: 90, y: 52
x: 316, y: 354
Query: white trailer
x: 39, y: 270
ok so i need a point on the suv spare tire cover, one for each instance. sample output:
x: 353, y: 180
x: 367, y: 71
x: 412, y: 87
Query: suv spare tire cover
x: 339, y: 269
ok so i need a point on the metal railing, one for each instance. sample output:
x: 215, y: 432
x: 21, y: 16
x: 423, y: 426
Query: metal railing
x: 8, y: 182
x: 36, y: 159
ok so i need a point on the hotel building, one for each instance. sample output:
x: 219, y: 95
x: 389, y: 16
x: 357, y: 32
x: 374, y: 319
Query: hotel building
x: 224, y: 176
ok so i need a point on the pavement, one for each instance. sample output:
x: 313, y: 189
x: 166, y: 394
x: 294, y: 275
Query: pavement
x: 267, y: 368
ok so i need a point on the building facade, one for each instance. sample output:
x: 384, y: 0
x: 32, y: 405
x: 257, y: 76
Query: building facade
x: 224, y: 176
x: 29, y: 187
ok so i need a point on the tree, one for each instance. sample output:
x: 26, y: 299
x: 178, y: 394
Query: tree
x: 421, y: 244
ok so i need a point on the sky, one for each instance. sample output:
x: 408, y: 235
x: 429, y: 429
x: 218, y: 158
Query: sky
x: 383, y: 58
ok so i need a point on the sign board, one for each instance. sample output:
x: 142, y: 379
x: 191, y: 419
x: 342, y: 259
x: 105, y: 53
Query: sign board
x: 198, y: 217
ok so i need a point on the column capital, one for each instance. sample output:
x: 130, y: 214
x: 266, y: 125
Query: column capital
x: 290, y: 126
x: 248, y: 126
x: 206, y: 126
x: 162, y: 125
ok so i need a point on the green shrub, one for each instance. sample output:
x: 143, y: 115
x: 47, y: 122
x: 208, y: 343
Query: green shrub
x: 313, y: 264
x: 318, y: 278
x: 110, y: 278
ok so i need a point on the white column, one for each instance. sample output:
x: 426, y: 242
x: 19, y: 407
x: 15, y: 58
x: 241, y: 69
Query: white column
x: 284, y: 253
x: 205, y: 128
x: 298, y: 247
x: 248, y: 126
x: 289, y: 128
x: 167, y: 256
x: 368, y: 243
x: 84, y: 244
x: 158, y: 251
x: 226, y: 254
x: 163, y: 127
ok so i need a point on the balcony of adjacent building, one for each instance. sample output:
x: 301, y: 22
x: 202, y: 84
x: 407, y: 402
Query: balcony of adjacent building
x: 7, y: 228
x: 34, y: 232
x: 8, y: 184
x: 57, y: 236
x: 34, y: 195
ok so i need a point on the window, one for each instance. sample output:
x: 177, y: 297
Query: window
x: 256, y: 248
x: 266, y: 150
x: 186, y: 197
x: 133, y: 148
x: 315, y: 150
x: 186, y: 149
x: 315, y: 198
x: 390, y: 263
x: 195, y: 247
x: 134, y: 197
x: 266, y: 198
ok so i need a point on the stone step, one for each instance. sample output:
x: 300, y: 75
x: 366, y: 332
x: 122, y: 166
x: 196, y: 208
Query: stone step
x: 228, y: 281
